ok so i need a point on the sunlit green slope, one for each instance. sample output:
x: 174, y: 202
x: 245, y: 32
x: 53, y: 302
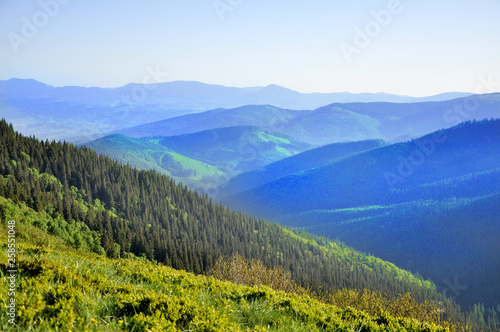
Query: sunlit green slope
x: 62, y: 288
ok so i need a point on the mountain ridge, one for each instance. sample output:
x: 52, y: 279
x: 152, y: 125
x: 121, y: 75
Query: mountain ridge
x: 333, y: 123
x: 208, y: 90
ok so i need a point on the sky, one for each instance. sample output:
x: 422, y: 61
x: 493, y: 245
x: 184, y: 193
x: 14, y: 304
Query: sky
x: 408, y: 47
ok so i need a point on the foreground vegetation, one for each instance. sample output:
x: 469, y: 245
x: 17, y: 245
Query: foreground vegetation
x: 62, y: 288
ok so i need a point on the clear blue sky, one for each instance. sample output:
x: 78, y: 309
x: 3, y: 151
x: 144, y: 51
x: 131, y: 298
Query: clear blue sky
x: 424, y: 48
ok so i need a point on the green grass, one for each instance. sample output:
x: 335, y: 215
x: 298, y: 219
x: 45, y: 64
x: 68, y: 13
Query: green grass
x: 147, y: 153
x: 61, y: 288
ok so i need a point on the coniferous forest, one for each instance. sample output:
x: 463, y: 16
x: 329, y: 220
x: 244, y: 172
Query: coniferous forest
x: 97, y: 204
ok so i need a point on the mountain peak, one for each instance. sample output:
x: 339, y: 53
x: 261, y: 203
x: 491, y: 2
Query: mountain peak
x: 274, y: 87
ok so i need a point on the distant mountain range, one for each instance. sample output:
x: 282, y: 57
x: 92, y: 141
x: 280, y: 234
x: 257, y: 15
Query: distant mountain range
x: 81, y: 114
x: 334, y: 123
x: 190, y: 95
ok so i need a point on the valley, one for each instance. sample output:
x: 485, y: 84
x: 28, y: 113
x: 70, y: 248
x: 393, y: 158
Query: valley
x: 369, y: 197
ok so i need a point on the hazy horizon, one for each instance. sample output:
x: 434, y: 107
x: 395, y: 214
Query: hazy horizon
x: 242, y: 87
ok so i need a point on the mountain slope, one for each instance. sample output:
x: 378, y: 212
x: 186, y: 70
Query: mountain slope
x: 399, y: 122
x: 237, y: 149
x: 304, y: 161
x: 68, y: 289
x: 454, y: 241
x: 201, y: 160
x: 373, y: 176
x: 148, y: 154
x: 74, y: 194
x: 147, y: 214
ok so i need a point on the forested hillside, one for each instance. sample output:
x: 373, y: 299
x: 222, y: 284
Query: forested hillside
x: 96, y: 204
x: 146, y: 153
x: 384, y: 175
x: 453, y: 242
x: 304, y: 161
x: 145, y: 213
